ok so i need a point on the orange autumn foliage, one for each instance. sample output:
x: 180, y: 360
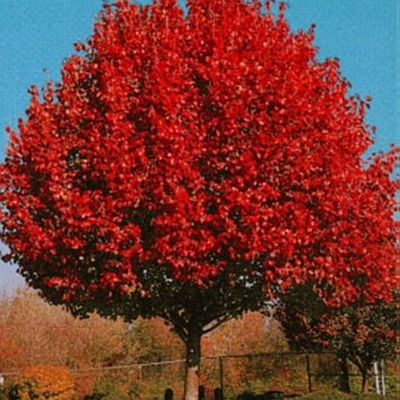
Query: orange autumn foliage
x: 46, y: 382
x: 31, y: 325
x: 249, y: 334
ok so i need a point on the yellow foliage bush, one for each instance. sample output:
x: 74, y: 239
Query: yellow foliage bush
x: 45, y: 382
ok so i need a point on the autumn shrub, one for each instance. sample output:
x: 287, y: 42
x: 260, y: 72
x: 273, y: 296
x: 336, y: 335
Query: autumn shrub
x: 106, y: 389
x: 4, y: 391
x: 44, y: 382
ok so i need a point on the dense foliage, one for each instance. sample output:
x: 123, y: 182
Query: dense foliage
x: 190, y: 166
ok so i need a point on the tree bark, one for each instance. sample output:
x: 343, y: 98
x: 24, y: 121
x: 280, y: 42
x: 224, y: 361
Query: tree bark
x: 364, y: 383
x: 193, y: 353
x: 344, y: 379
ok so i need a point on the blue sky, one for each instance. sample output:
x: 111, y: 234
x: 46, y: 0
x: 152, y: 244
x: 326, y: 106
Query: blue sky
x: 37, y: 35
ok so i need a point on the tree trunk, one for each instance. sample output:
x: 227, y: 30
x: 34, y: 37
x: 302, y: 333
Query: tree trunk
x: 192, y: 364
x: 344, y: 379
x: 364, y: 382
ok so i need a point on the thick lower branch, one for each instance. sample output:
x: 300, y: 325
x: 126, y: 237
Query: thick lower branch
x: 178, y: 323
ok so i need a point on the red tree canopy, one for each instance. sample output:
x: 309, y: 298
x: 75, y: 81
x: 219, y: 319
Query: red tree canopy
x: 209, y: 152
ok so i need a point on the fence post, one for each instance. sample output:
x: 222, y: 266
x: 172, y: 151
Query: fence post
x: 218, y: 394
x: 221, y: 375
x: 376, y: 373
x: 169, y: 394
x: 383, y: 378
x: 308, y: 373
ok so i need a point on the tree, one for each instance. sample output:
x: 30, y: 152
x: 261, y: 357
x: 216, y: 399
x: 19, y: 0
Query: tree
x: 359, y: 332
x: 32, y: 325
x: 192, y: 166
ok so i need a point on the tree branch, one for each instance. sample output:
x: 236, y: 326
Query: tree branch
x: 217, y: 323
x: 177, y: 322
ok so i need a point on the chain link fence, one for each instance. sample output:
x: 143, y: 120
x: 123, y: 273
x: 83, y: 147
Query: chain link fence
x: 231, y: 376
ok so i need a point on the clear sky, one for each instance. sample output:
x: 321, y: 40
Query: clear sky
x: 37, y: 35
